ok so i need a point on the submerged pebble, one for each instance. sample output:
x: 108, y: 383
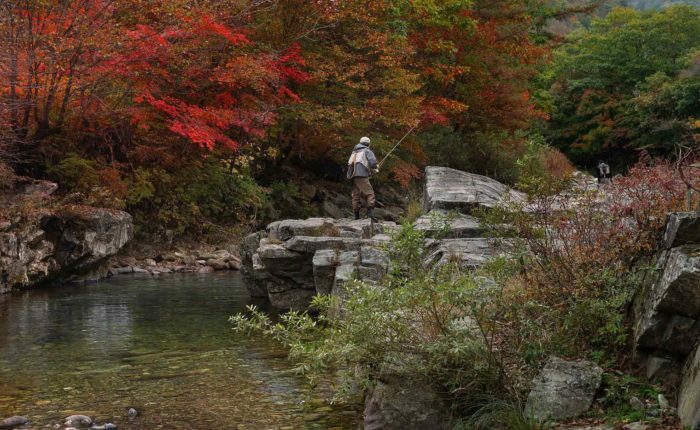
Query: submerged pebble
x: 108, y: 426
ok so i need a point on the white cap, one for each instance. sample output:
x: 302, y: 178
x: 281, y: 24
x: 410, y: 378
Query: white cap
x: 365, y: 140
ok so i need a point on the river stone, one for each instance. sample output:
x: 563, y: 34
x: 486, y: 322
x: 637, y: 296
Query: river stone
x: 332, y: 210
x: 563, y: 389
x: 295, y: 299
x: 661, y: 368
x: 33, y: 187
x: 671, y: 333
x: 682, y: 228
x: 447, y: 188
x: 251, y: 271
x: 286, y: 229
x: 89, y: 235
x: 217, y: 264
x: 78, y: 421
x: 14, y: 421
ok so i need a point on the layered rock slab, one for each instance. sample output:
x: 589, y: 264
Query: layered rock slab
x: 448, y: 189
x: 293, y: 260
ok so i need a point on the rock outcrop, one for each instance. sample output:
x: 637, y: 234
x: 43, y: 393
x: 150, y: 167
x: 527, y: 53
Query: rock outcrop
x: 563, y: 389
x: 667, y: 328
x: 293, y: 260
x: 448, y: 189
x: 68, y: 243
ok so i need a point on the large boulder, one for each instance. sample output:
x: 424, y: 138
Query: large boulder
x: 668, y: 320
x: 69, y: 244
x: 86, y: 236
x: 404, y: 403
x: 563, y: 389
x: 448, y: 189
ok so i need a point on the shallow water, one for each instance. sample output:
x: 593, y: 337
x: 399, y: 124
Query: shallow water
x: 161, y: 345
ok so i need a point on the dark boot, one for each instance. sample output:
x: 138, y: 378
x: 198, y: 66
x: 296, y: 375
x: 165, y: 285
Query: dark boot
x: 370, y: 214
x: 357, y: 214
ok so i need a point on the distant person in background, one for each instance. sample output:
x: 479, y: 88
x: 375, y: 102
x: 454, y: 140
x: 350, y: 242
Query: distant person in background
x: 361, y: 164
x: 603, y: 172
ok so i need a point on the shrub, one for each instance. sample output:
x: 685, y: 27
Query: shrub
x: 7, y: 176
x: 95, y: 184
x: 199, y: 199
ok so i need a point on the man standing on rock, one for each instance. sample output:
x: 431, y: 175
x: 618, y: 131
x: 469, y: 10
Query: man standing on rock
x: 360, y: 165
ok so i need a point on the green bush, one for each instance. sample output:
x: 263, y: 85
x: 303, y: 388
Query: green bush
x: 197, y: 200
x: 75, y: 174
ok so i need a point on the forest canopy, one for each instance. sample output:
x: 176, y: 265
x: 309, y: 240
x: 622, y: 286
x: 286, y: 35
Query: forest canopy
x: 628, y: 83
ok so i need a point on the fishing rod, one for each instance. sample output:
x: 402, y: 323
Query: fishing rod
x: 396, y: 146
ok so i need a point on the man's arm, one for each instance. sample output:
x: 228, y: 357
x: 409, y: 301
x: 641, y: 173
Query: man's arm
x: 371, y: 159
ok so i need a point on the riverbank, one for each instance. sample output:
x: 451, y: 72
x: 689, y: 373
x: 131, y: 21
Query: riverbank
x: 154, y: 260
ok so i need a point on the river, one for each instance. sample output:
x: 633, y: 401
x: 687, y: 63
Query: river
x: 163, y: 346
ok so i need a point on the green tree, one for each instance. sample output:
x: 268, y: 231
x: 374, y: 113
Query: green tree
x: 630, y: 82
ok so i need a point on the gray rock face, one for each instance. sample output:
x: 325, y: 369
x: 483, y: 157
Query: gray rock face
x: 563, y: 389
x: 469, y: 253
x: 440, y: 224
x: 682, y: 228
x: 667, y: 328
x: 404, y: 404
x: 689, y: 393
x: 251, y: 265
x: 70, y: 244
x: 293, y: 260
x: 89, y: 235
x: 447, y: 189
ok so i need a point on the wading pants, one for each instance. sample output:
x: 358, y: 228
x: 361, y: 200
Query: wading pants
x: 362, y: 189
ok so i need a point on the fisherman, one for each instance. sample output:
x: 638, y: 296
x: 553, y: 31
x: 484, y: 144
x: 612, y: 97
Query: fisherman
x: 361, y: 164
x: 603, y: 172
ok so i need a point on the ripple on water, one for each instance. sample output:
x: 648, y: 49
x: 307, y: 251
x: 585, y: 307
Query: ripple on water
x: 163, y: 346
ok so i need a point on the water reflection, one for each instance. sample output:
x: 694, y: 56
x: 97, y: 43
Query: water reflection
x: 163, y: 346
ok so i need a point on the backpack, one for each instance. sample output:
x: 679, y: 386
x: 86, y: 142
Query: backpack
x: 357, y: 157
